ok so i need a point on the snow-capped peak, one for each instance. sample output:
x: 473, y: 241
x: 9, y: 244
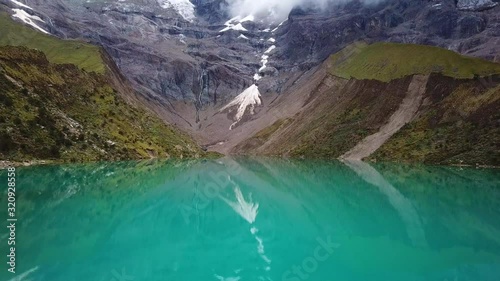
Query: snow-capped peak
x: 183, y: 7
x: 28, y: 19
x: 238, y: 27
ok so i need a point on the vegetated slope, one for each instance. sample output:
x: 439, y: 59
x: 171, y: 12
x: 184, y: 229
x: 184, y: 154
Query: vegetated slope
x: 457, y: 124
x: 456, y: 121
x: 389, y: 61
x: 83, y: 55
x: 58, y: 111
x: 403, y: 115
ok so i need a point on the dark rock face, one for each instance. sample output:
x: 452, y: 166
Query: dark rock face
x: 170, y: 58
x: 471, y: 25
x: 165, y: 56
x: 440, y: 23
x: 213, y: 12
x: 309, y: 37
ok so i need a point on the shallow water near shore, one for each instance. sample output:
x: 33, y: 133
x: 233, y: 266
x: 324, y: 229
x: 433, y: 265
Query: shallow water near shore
x: 254, y: 219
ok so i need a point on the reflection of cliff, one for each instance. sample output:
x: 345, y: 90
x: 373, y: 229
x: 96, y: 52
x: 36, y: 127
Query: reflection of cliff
x: 248, y: 211
x: 455, y: 207
x: 331, y: 197
x: 129, y: 215
x: 404, y: 207
x: 107, y: 191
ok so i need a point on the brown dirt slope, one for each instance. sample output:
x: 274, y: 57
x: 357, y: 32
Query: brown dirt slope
x: 455, y: 122
x: 405, y: 113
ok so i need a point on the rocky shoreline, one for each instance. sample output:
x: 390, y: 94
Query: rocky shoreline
x: 6, y: 164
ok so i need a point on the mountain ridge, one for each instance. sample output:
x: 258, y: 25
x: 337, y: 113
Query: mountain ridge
x: 335, y: 114
x: 56, y: 112
x: 223, y: 80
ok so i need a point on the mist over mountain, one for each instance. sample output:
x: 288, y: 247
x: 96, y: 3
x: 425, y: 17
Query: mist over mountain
x: 277, y: 9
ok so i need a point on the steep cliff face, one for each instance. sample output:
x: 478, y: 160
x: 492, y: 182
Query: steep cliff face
x: 167, y: 52
x: 425, y: 111
x: 310, y: 36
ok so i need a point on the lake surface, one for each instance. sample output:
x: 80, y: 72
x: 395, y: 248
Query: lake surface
x: 254, y: 219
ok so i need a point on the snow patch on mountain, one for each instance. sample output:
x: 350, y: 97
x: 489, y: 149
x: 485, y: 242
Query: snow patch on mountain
x: 437, y: 6
x: 264, y: 61
x: 236, y: 23
x: 28, y: 19
x: 248, y: 99
x: 278, y: 26
x: 248, y: 18
x: 21, y: 4
x: 238, y: 27
x: 266, y: 9
x: 270, y: 49
x: 183, y: 7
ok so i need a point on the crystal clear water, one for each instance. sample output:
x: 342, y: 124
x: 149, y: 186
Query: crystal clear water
x: 254, y: 219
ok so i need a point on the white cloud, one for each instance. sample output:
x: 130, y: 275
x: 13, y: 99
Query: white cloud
x: 276, y: 9
x: 263, y: 8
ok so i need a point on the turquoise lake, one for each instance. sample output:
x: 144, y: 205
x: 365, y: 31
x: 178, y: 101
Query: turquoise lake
x: 254, y: 219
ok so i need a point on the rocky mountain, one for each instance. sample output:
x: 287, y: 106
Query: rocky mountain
x: 50, y: 110
x: 214, y: 72
x: 362, y: 103
x: 178, y: 50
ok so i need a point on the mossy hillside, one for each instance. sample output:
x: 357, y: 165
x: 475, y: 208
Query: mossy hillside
x: 389, y: 61
x: 460, y: 129
x: 50, y: 111
x: 333, y: 135
x: 83, y: 55
x: 340, y: 118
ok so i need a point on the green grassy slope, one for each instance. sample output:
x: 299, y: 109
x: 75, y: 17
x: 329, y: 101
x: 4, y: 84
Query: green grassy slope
x: 50, y: 111
x: 81, y: 54
x: 460, y: 128
x: 389, y: 61
x: 457, y: 123
x: 341, y: 119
